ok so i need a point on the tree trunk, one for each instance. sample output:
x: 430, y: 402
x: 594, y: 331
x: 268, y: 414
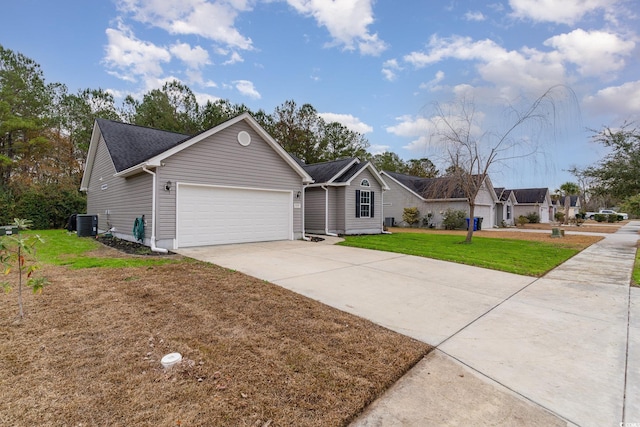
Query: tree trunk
x: 20, y: 283
x: 472, y: 209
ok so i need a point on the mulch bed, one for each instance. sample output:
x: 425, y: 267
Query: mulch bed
x: 133, y: 248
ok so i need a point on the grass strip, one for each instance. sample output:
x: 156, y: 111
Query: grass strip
x: 63, y: 248
x: 529, y: 258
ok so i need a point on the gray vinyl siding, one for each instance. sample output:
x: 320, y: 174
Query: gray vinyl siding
x: 353, y: 225
x: 221, y: 160
x: 525, y: 209
x: 396, y: 199
x: 337, y: 209
x: 314, y: 201
x: 122, y: 201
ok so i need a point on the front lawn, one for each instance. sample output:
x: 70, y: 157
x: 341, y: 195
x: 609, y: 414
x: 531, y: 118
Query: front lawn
x: 530, y: 258
x: 63, y: 248
x: 254, y: 354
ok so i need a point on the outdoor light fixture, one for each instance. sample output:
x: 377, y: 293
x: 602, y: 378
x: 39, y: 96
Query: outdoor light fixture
x: 298, y: 194
x: 167, y: 186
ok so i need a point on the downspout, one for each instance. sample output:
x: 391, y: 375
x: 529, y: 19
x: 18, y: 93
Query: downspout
x: 326, y: 212
x: 304, y: 209
x: 153, y: 214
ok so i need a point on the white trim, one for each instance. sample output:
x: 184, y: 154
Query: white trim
x: 375, y: 173
x: 343, y: 170
x: 362, y: 192
x: 157, y: 160
x: 229, y: 187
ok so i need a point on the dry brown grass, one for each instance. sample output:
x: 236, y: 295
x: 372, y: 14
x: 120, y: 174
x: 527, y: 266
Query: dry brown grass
x: 254, y: 354
x: 573, y: 241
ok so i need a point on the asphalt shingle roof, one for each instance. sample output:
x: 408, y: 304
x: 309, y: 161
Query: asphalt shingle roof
x: 130, y: 145
x: 323, y: 172
x: 430, y: 188
x: 530, y: 195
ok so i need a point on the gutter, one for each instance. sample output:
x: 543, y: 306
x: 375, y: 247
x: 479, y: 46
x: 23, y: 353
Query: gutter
x: 326, y: 212
x: 153, y: 214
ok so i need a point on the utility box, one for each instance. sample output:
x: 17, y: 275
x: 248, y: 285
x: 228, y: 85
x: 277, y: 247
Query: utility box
x: 389, y: 221
x: 8, y: 230
x: 87, y: 225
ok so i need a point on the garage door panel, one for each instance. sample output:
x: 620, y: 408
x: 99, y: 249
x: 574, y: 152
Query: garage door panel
x: 213, y: 215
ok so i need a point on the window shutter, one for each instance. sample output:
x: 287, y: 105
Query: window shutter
x: 372, y: 205
x: 357, y: 203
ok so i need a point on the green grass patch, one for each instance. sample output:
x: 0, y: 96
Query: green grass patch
x: 524, y: 257
x: 63, y: 248
x: 635, y: 276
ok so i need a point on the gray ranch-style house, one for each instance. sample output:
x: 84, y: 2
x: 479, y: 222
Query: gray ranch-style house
x: 536, y: 200
x: 504, y: 207
x: 230, y: 184
x: 433, y: 196
x: 345, y: 198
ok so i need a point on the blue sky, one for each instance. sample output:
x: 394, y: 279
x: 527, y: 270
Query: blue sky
x: 376, y: 66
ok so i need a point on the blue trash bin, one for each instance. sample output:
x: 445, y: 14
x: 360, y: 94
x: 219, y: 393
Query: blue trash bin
x: 475, y: 223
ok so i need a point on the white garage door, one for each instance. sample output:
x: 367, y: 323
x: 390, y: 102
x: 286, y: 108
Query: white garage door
x: 216, y: 216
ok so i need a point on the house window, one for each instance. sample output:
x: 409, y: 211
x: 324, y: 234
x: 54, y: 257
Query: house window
x: 508, y: 211
x: 364, y: 203
x: 365, y: 183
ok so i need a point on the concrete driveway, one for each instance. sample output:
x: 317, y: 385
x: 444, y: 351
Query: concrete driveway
x: 511, y: 349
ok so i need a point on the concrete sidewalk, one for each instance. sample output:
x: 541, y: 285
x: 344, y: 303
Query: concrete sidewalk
x: 560, y: 343
x: 524, y: 351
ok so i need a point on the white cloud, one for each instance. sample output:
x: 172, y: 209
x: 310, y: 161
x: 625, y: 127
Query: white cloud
x: 347, y: 22
x: 510, y: 71
x: 620, y: 101
x: 351, y: 122
x: 378, y: 149
x: 561, y: 12
x: 129, y: 57
x: 596, y: 53
x: 418, y: 128
x: 389, y: 68
x: 212, y: 20
x: 233, y: 59
x: 432, y: 84
x: 474, y: 16
x: 245, y: 87
x: 194, y: 57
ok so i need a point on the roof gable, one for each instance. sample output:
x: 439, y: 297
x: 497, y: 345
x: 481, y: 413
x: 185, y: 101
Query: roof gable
x: 341, y: 172
x: 133, y: 148
x: 329, y: 171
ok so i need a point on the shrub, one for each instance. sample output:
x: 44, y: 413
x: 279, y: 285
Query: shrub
x: 533, y: 217
x: 600, y: 217
x: 454, y: 219
x: 411, y: 216
x: 559, y: 216
x: 522, y: 220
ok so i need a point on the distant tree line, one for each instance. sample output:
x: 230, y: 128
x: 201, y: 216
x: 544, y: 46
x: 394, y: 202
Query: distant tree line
x: 615, y: 179
x: 45, y: 133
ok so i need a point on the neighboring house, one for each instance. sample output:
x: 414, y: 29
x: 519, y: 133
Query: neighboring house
x: 345, y: 198
x: 434, y: 196
x: 533, y: 200
x: 230, y: 184
x: 574, y: 205
x: 504, y: 206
